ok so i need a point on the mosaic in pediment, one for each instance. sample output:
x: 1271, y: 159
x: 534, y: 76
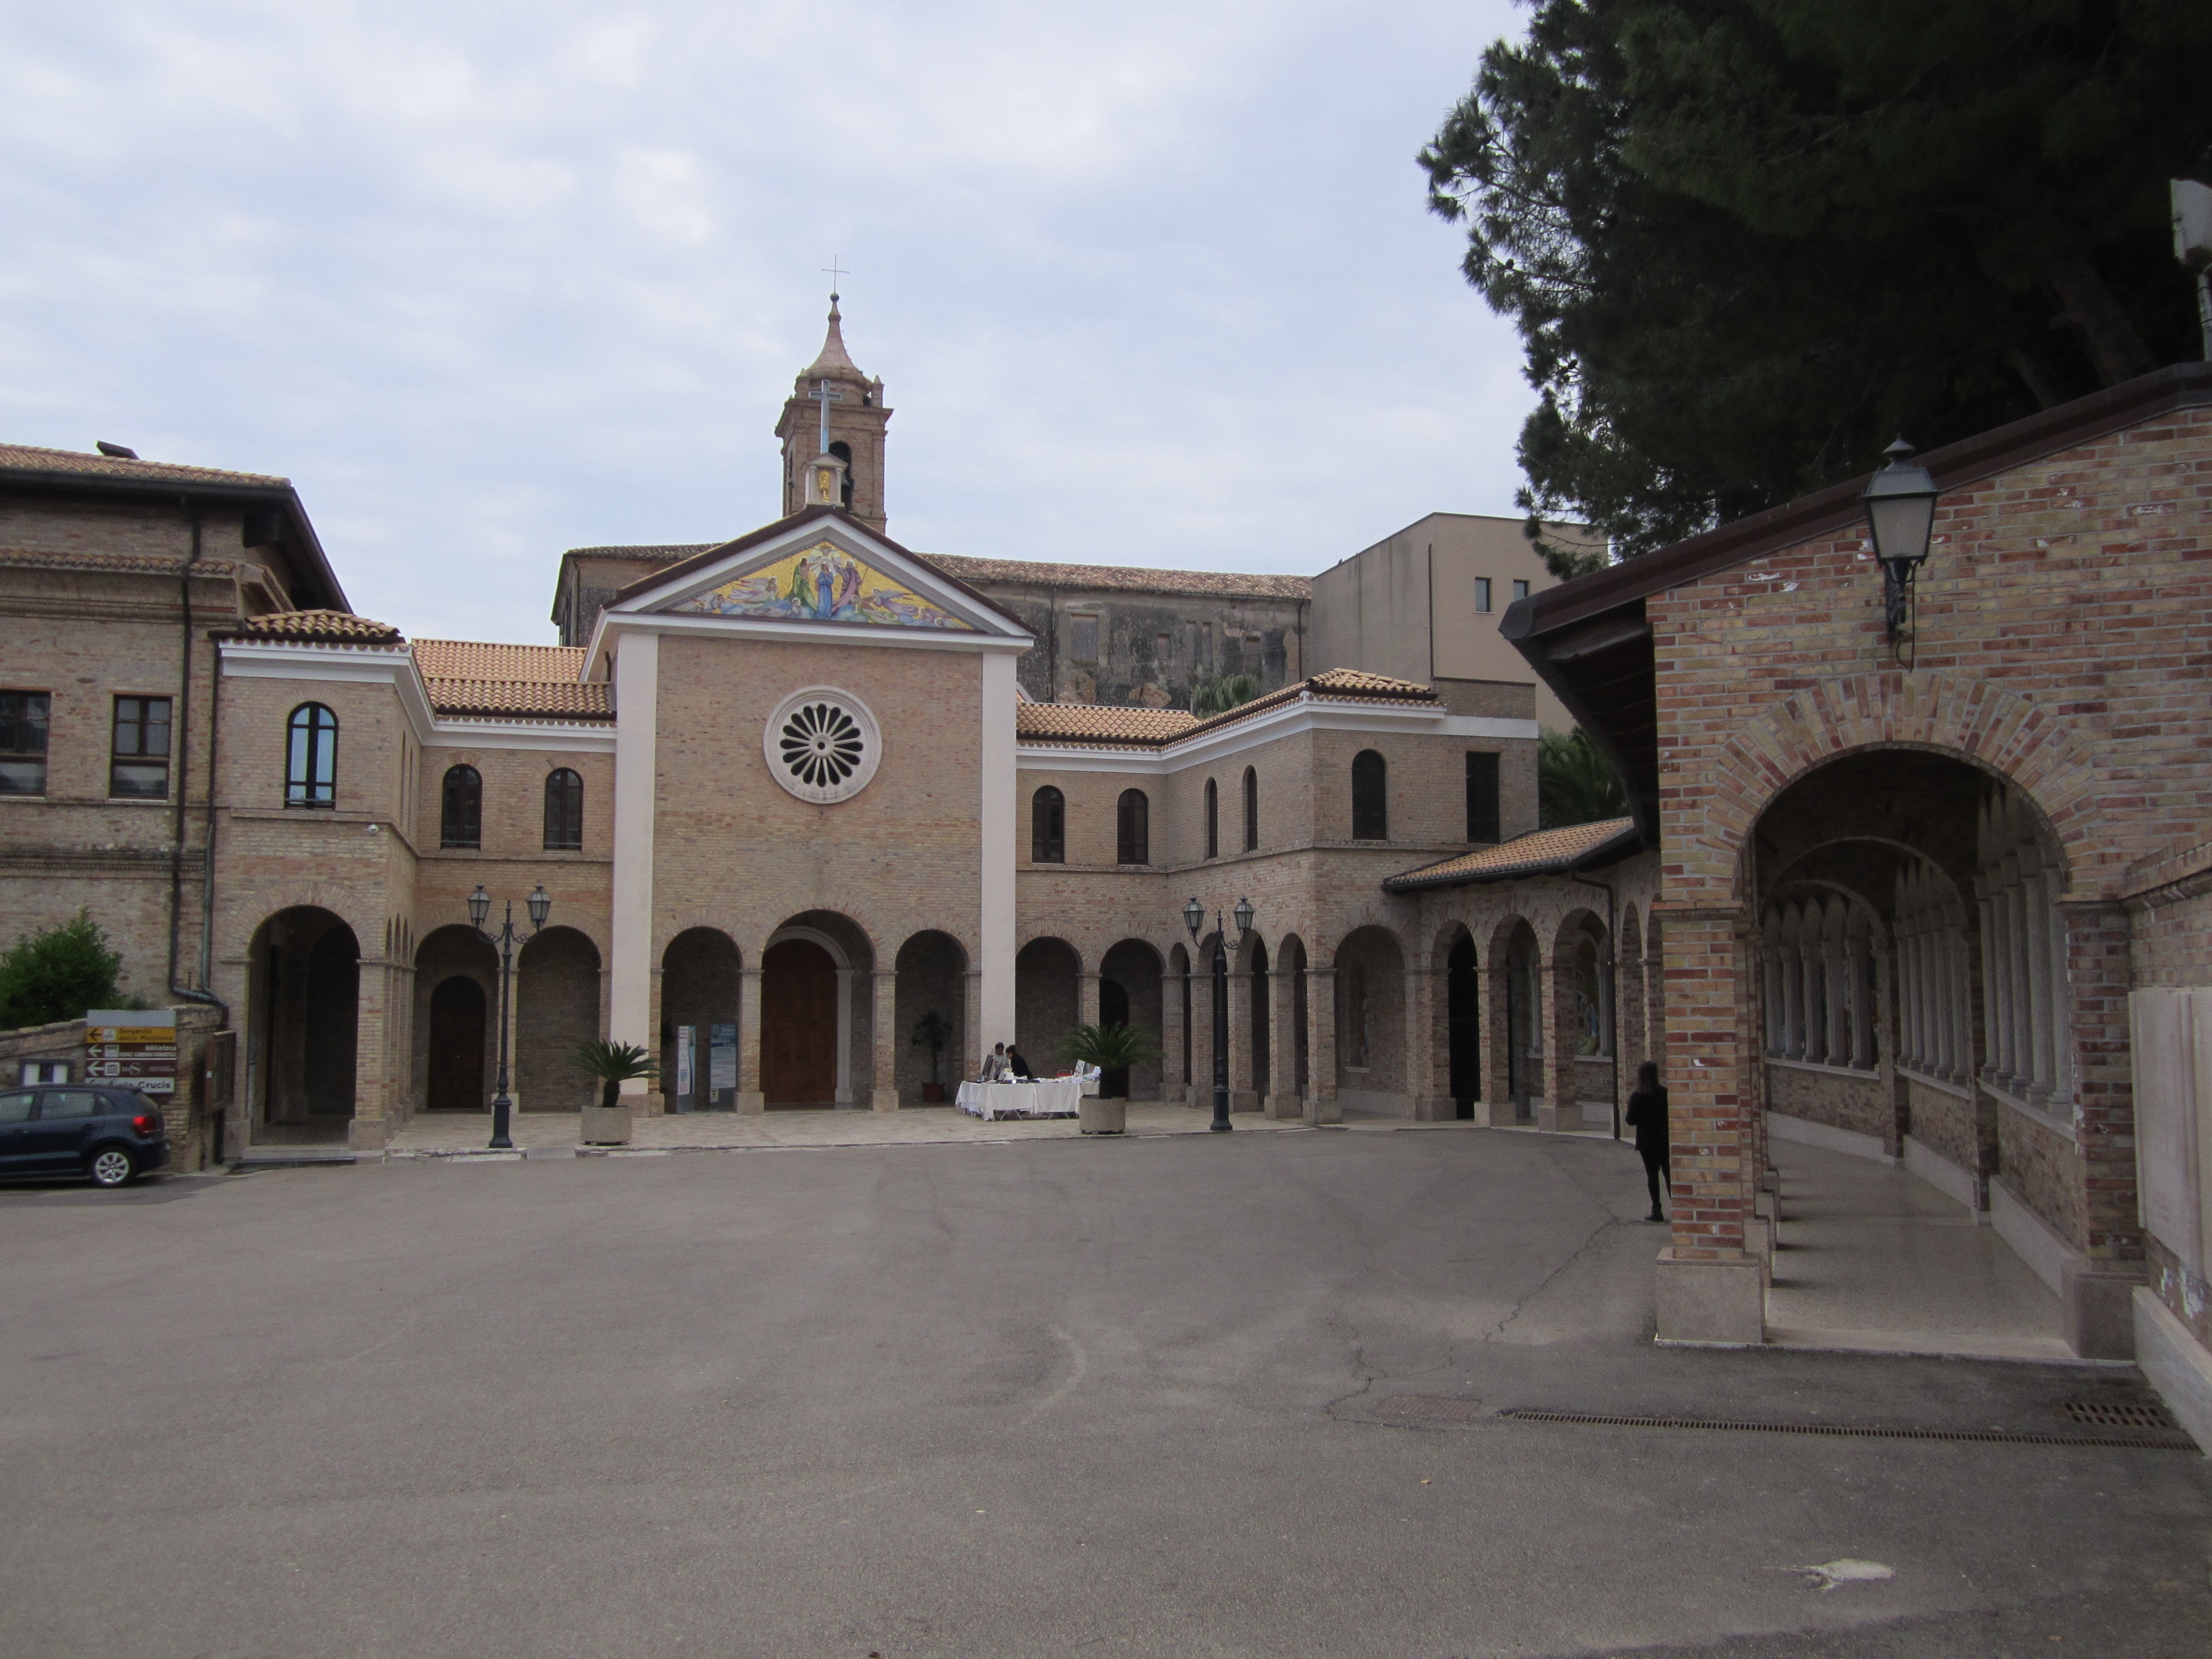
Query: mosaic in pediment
x: 823, y: 583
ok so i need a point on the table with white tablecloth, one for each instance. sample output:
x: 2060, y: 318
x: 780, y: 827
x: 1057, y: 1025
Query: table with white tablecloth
x: 1047, y: 1097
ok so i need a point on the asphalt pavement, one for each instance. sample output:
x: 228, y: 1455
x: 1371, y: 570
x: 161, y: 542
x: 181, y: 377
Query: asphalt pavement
x: 1199, y: 1395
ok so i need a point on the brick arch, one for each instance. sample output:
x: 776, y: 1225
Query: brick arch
x: 2021, y: 742
x: 342, y: 899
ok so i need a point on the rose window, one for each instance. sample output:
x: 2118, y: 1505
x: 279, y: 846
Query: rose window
x: 822, y: 745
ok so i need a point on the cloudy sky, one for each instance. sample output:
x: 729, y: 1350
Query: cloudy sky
x: 1146, y: 283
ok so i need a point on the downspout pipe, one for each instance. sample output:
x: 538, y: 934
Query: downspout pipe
x: 1612, y: 965
x: 181, y: 737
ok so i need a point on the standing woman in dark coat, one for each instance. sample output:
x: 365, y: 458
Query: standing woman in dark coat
x: 1647, y: 1115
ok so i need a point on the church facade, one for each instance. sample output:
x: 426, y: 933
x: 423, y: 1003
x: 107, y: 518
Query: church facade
x: 793, y: 800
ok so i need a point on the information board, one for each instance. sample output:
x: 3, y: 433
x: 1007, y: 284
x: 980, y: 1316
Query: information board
x: 133, y: 1048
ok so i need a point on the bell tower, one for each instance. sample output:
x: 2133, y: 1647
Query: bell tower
x: 832, y: 430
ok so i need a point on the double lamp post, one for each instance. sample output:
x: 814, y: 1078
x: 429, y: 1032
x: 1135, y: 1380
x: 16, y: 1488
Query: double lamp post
x: 540, y: 904
x: 1194, y: 918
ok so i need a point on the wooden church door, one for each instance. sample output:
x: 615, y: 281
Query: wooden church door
x: 799, y: 1025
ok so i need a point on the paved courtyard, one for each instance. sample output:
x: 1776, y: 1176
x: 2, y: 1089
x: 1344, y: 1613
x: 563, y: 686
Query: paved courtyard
x: 1177, y: 1395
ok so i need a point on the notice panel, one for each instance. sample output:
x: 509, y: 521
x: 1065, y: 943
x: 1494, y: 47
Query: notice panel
x: 133, y: 1048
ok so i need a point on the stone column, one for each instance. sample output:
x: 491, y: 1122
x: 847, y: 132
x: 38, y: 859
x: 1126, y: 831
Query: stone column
x: 750, y: 1100
x: 1171, y: 989
x: 1201, y: 1040
x: 1710, y: 1288
x: 884, y: 1095
x: 1562, y: 1109
x: 1498, y: 1106
x: 1321, y: 1105
x: 373, y: 1095
x: 1283, y: 1098
x: 1243, y: 1096
x: 1428, y: 1076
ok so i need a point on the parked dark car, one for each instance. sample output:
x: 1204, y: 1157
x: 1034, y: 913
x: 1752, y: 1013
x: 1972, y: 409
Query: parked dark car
x: 110, y: 1136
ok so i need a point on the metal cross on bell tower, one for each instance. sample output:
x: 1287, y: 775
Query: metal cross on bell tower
x: 825, y: 394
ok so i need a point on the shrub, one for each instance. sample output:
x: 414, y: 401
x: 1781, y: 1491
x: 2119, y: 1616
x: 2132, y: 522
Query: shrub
x: 58, y: 974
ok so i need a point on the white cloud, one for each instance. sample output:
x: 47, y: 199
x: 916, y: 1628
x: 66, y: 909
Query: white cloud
x: 492, y: 280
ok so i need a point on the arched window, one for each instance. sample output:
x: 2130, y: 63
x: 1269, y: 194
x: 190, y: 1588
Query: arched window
x: 1132, y: 829
x: 1251, y: 811
x: 1212, y: 820
x: 1047, y: 827
x: 1370, y: 797
x: 843, y: 452
x: 460, y: 816
x: 564, y: 811
x: 311, y: 758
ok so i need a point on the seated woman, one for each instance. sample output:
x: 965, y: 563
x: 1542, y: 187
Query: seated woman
x: 1017, y: 1067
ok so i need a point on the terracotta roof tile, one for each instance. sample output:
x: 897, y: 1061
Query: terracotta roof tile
x: 473, y: 659
x: 1108, y: 578
x: 654, y: 553
x: 1099, y: 723
x: 315, y: 628
x: 26, y: 458
x: 1537, y: 853
x: 1114, y: 726
x: 520, y: 699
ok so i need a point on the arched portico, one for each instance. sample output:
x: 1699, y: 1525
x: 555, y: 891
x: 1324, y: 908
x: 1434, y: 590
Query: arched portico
x: 456, y: 1011
x: 1370, y: 1023
x: 1048, y: 1000
x: 702, y: 1007
x: 932, y: 1003
x: 820, y: 1016
x: 1130, y: 993
x: 302, y: 1034
x: 556, y: 1011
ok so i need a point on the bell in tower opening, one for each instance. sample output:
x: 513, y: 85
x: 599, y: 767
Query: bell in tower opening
x: 832, y: 430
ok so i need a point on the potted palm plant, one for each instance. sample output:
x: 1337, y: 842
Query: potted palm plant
x: 614, y: 1064
x: 933, y: 1031
x: 1111, y: 1047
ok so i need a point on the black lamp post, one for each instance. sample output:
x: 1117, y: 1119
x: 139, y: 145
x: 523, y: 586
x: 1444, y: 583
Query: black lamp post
x: 1900, y: 509
x: 540, y: 904
x: 1194, y: 918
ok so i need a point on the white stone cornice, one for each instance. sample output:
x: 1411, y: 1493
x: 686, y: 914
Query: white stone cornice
x: 1291, y: 719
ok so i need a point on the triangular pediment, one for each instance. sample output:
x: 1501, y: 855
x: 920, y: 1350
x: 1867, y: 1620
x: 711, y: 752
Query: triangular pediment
x: 819, y: 569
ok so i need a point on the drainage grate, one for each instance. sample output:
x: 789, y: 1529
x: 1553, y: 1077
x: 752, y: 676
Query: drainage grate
x: 1429, y: 1408
x: 2105, y: 1415
x: 2170, y: 1442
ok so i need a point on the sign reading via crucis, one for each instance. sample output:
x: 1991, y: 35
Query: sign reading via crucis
x: 133, y: 1048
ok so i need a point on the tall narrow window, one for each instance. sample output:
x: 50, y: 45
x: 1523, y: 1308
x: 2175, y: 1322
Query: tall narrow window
x: 1370, y: 797
x: 564, y: 811
x: 460, y: 814
x: 139, y: 767
x: 1083, y: 638
x: 1251, y: 809
x: 1520, y: 590
x: 1482, y: 797
x: 23, y: 743
x: 843, y: 452
x: 1047, y: 827
x: 1132, y: 829
x: 1212, y: 820
x: 311, y: 758
x: 1482, y: 595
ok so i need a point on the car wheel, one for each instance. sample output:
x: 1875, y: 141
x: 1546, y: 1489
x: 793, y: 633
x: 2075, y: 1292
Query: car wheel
x: 111, y: 1167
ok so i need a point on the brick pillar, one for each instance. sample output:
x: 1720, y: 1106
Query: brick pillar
x: 1498, y: 1106
x: 1243, y: 1096
x: 1283, y: 1098
x: 654, y: 1102
x: 1086, y: 1002
x: 1710, y: 1288
x: 1428, y: 1059
x: 1321, y: 1047
x: 374, y: 1091
x: 883, y: 1042
x: 1562, y: 1107
x: 1171, y: 1083
x: 2099, y: 1284
x: 750, y: 1097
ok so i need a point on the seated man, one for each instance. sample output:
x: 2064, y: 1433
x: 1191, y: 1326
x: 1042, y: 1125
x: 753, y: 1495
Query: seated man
x: 994, y: 1066
x: 1017, y: 1067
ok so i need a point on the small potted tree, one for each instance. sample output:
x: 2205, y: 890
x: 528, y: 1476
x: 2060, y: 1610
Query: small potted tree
x: 1111, y: 1047
x: 933, y: 1031
x: 614, y: 1064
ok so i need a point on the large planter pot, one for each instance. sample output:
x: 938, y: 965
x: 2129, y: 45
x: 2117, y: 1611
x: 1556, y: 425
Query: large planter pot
x: 606, y: 1125
x: 1096, y: 1116
x: 933, y: 1094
